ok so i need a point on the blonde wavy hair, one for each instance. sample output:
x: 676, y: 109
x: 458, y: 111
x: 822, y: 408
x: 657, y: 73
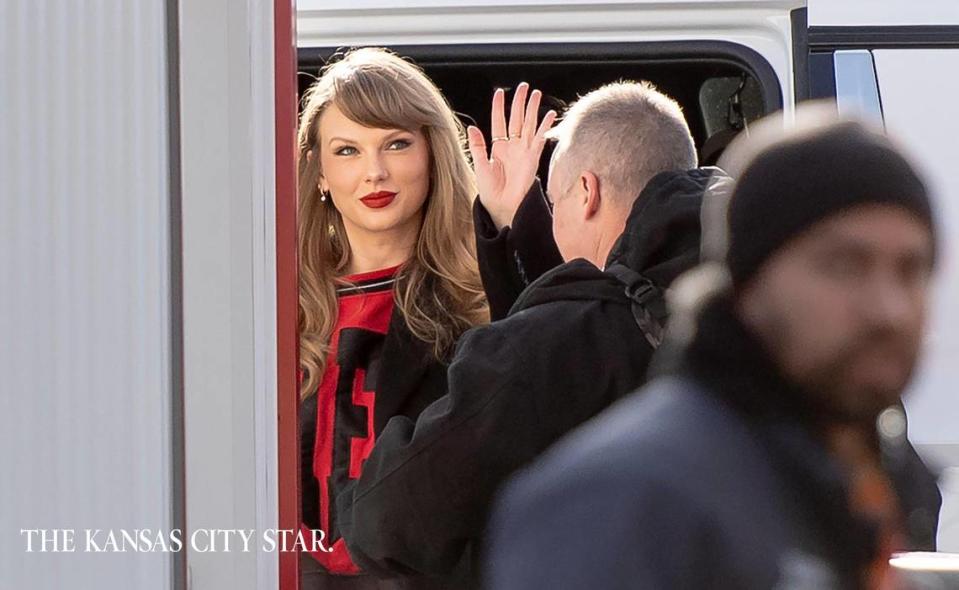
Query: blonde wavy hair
x: 438, y: 290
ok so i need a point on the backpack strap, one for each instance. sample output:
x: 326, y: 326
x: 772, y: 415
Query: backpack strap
x: 648, y: 302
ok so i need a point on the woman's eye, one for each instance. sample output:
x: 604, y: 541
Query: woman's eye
x: 345, y: 151
x: 399, y: 144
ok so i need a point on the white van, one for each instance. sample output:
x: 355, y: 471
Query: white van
x: 727, y: 62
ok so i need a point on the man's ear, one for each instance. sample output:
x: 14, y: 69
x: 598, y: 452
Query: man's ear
x: 589, y: 185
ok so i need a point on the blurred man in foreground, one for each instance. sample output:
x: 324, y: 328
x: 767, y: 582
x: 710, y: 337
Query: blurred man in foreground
x: 774, y: 453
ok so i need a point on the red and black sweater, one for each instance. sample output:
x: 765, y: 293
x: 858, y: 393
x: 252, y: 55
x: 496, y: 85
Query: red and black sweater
x: 337, y: 429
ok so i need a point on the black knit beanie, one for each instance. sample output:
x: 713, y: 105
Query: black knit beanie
x: 798, y: 182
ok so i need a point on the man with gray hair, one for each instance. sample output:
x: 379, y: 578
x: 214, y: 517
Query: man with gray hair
x: 625, y: 199
x: 609, y: 145
x: 603, y: 128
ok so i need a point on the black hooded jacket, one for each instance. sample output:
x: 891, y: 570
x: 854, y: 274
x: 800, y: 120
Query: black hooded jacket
x: 568, y: 348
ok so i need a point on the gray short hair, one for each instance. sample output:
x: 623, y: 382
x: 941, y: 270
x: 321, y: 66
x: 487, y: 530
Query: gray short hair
x: 626, y: 133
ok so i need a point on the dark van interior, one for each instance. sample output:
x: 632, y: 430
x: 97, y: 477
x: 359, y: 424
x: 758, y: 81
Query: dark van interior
x: 722, y: 87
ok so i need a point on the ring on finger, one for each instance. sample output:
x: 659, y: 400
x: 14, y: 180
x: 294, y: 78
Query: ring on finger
x: 515, y: 136
x: 495, y: 139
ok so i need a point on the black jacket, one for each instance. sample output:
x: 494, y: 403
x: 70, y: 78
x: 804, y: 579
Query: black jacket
x: 416, y: 378
x: 708, y: 478
x: 568, y: 348
x: 513, y: 257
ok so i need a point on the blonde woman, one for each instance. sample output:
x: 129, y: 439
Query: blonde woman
x: 388, y: 276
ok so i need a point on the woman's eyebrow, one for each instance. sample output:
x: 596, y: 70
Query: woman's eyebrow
x: 389, y: 135
x: 396, y: 133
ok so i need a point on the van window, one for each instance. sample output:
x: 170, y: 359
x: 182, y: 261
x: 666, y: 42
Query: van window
x: 704, y: 77
x: 727, y: 104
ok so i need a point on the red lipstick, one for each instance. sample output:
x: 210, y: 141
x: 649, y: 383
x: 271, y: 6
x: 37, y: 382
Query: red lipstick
x: 378, y: 200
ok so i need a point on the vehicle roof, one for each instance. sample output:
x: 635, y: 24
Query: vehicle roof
x: 401, y: 4
x: 821, y: 12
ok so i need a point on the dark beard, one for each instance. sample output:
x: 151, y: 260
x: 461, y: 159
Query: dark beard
x: 828, y: 385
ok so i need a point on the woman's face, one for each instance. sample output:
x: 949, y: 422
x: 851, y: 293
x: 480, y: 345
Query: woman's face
x: 378, y: 178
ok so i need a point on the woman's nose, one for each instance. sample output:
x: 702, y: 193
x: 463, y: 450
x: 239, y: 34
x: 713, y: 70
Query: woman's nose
x: 376, y: 170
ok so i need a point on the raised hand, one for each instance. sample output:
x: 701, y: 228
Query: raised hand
x: 505, y: 175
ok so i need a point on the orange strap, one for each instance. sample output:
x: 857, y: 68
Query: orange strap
x: 872, y: 496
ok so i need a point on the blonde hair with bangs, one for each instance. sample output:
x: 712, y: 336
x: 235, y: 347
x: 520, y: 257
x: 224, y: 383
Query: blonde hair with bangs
x: 438, y: 290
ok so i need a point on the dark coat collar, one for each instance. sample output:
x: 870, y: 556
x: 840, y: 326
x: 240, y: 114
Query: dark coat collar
x: 726, y: 355
x: 732, y: 365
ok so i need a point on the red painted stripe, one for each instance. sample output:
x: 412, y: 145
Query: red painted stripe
x: 285, y: 100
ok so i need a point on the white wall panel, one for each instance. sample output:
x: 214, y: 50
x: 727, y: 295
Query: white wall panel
x: 85, y: 390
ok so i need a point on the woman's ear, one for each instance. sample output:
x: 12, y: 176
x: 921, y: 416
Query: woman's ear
x: 321, y: 183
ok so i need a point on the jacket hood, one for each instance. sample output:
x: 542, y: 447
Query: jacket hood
x: 576, y: 280
x: 663, y: 232
x: 661, y: 241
